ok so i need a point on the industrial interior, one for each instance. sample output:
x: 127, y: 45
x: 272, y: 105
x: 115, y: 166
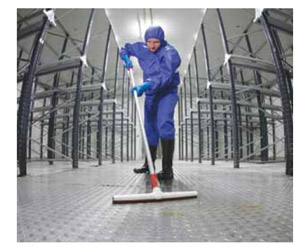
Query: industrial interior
x: 79, y: 137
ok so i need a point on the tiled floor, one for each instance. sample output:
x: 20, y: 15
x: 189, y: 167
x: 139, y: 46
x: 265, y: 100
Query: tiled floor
x: 250, y: 204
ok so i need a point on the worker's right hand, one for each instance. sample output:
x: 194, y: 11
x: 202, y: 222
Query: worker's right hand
x: 127, y: 61
x: 140, y: 89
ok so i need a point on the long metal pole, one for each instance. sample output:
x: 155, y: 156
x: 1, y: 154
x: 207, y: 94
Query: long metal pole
x: 179, y: 128
x: 131, y: 131
x: 191, y: 106
x: 127, y: 128
x: 236, y: 158
x: 68, y: 117
x: 54, y: 101
x: 31, y: 117
x: 225, y: 128
x: 25, y: 98
x: 185, y: 122
x: 100, y: 108
x: 262, y: 117
x: 273, y: 131
x: 263, y: 123
x: 212, y: 121
x: 79, y: 144
x: 89, y: 128
x: 122, y: 114
x: 290, y: 88
x: 216, y: 139
x: 42, y: 132
x: 241, y: 130
x: 246, y: 118
x: 287, y: 111
x: 198, y: 107
x: 134, y: 136
x: 106, y: 128
x: 75, y: 130
x: 288, y: 75
x: 181, y: 124
x: 114, y: 111
x: 207, y: 141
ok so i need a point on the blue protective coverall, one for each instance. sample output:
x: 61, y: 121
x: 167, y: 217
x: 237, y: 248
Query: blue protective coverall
x: 159, y: 68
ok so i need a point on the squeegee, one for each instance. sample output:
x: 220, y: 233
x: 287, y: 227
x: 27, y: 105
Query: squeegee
x: 156, y: 194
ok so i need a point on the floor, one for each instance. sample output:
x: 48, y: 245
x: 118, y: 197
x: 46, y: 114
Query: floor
x: 250, y: 204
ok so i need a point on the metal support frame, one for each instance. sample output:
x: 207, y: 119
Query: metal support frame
x: 106, y: 129
x: 186, y: 129
x: 282, y: 83
x: 273, y: 22
x: 114, y: 109
x: 273, y: 132
x: 233, y: 97
x: 28, y: 17
x: 241, y: 130
x: 134, y: 130
x: 61, y: 124
x: 182, y: 131
x: 290, y: 88
x: 198, y: 107
x: 54, y: 101
x: 122, y: 115
x: 216, y: 140
x: 263, y: 122
x: 179, y: 127
x: 29, y: 30
x: 41, y: 134
x: 131, y: 132
x: 89, y: 128
x: 191, y: 107
x: 75, y: 130
x: 25, y: 98
x: 101, y: 98
x: 225, y: 128
x: 31, y: 118
x: 207, y: 142
x: 247, y: 117
x: 263, y: 126
x: 210, y: 96
x: 66, y: 132
x: 127, y: 132
x: 287, y: 72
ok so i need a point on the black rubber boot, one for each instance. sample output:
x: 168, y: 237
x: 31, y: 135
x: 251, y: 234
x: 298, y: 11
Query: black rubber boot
x: 167, y: 160
x: 144, y: 168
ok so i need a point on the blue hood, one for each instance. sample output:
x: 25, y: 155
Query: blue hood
x: 156, y: 32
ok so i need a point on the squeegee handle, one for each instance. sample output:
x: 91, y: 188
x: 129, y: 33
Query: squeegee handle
x: 148, y: 154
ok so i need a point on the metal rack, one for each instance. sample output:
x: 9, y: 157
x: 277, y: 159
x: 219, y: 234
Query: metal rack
x: 232, y: 109
x: 77, y: 119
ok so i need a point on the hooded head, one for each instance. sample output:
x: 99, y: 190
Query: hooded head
x: 155, y: 32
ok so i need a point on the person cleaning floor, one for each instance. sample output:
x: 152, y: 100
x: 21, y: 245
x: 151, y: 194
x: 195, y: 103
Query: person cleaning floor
x: 159, y: 62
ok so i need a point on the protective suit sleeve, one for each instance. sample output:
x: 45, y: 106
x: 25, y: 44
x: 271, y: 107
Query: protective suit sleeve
x: 168, y: 68
x: 131, y: 49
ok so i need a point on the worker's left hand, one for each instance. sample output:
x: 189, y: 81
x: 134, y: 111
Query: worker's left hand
x: 140, y: 89
x: 127, y: 61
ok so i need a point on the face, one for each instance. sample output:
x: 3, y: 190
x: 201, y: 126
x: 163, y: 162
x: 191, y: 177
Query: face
x: 153, y: 44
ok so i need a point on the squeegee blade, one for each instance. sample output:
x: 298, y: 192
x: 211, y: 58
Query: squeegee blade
x: 153, y: 197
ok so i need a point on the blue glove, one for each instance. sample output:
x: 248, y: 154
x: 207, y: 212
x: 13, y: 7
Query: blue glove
x: 127, y: 61
x: 140, y: 89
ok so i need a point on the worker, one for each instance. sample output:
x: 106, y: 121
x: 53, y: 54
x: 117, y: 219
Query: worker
x: 159, y: 62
